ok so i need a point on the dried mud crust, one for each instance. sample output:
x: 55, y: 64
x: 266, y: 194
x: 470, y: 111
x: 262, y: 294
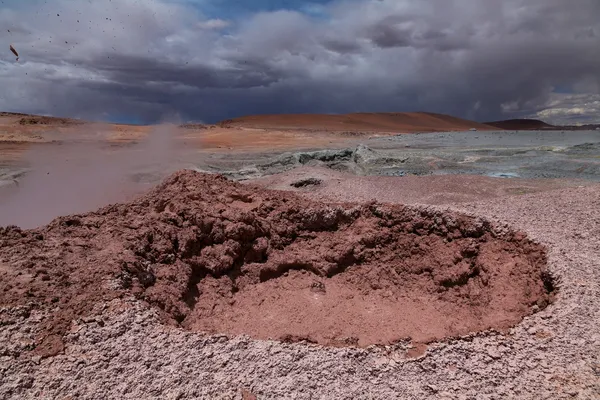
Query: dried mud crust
x: 221, y: 257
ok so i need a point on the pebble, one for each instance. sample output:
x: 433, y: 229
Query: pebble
x: 532, y: 331
x: 432, y: 388
x: 494, y: 353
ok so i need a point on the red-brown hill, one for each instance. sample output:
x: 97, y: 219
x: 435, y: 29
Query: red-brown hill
x: 372, y: 122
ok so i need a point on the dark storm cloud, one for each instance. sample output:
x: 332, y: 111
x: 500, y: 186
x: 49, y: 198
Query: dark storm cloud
x: 386, y: 36
x: 144, y: 71
x: 478, y: 59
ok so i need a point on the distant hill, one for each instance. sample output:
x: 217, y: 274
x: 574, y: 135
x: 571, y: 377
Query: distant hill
x: 537, y: 125
x: 369, y: 122
x: 521, y: 125
x: 30, y: 119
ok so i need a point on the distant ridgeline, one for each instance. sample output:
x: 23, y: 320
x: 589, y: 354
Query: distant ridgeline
x: 537, y: 125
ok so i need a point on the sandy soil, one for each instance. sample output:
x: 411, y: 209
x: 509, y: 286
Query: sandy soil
x: 217, y: 139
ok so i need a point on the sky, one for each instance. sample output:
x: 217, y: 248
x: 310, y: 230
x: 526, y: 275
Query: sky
x: 148, y: 61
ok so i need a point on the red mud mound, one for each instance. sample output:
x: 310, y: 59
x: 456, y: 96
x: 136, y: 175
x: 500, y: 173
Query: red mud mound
x: 372, y: 122
x: 222, y: 257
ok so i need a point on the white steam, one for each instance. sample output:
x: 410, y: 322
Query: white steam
x: 86, y: 171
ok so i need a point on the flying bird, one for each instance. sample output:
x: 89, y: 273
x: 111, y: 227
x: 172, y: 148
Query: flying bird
x: 14, y: 52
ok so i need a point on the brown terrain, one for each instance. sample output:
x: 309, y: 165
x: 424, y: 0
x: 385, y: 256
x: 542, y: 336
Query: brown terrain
x: 308, y: 284
x: 222, y: 257
x: 368, y: 122
x: 228, y: 258
x: 245, y: 134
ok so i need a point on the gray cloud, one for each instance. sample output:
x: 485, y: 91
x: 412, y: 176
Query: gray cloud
x: 384, y: 35
x: 570, y: 109
x: 482, y: 60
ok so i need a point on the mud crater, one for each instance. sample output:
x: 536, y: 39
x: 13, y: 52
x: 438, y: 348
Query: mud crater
x: 221, y: 257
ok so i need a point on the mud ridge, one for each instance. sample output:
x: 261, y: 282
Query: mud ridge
x: 221, y: 257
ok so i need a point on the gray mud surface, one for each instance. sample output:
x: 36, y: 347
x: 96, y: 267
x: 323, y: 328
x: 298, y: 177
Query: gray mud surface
x: 502, y: 154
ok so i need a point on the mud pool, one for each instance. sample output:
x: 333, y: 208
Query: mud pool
x: 502, y: 154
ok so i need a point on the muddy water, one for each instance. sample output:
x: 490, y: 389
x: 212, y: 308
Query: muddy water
x: 502, y: 154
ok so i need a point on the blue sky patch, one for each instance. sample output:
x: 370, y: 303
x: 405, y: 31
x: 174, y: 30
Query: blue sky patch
x: 230, y: 9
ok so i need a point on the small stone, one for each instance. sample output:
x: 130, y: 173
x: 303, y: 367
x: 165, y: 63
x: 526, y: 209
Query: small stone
x: 432, y: 388
x: 494, y: 353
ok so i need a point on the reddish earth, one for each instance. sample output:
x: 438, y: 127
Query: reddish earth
x: 373, y: 122
x: 222, y: 257
x: 247, y: 134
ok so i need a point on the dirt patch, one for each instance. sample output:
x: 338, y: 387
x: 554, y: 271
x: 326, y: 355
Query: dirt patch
x: 223, y: 257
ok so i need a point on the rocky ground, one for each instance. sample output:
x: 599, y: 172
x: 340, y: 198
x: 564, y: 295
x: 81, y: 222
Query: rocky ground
x: 119, y: 347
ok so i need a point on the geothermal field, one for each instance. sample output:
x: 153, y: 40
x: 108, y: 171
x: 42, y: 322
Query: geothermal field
x: 362, y: 256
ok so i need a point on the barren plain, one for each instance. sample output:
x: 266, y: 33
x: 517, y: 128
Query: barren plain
x: 368, y: 256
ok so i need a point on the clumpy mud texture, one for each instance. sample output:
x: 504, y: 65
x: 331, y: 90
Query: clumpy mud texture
x: 222, y: 257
